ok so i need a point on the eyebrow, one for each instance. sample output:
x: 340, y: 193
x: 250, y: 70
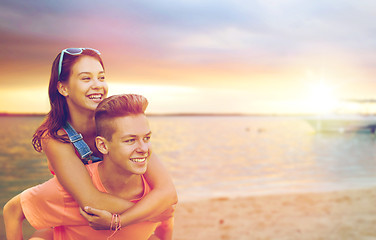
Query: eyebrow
x: 89, y: 73
x: 133, y: 135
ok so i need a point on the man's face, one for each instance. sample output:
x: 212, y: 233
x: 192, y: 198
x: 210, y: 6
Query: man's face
x: 130, y: 147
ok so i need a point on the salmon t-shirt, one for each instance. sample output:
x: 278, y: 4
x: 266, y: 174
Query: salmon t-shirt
x: 49, y: 205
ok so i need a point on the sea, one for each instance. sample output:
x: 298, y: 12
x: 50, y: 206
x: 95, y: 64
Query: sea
x: 219, y: 156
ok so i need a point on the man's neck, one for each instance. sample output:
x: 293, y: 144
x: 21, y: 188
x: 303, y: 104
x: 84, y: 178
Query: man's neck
x: 119, y: 183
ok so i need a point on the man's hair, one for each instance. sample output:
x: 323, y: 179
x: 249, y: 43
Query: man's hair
x: 117, y: 106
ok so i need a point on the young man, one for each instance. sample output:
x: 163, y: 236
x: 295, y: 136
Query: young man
x: 124, y: 140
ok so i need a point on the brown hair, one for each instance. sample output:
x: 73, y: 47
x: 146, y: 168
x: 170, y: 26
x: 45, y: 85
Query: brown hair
x: 59, y: 112
x: 117, y: 106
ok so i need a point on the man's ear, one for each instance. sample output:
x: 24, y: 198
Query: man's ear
x: 62, y: 89
x: 100, y: 142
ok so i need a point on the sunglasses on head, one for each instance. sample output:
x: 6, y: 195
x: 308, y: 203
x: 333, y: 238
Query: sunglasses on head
x: 73, y: 51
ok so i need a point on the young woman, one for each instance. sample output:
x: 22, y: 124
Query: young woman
x: 77, y: 85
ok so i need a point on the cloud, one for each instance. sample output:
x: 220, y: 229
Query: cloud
x: 195, y: 41
x: 270, y: 26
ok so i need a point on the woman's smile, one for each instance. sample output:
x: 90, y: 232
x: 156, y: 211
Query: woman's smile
x: 96, y: 97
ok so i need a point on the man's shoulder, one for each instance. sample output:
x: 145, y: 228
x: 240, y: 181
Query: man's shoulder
x: 93, y: 166
x: 92, y: 169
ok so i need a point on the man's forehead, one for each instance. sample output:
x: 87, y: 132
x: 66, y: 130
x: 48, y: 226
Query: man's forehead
x: 131, y: 125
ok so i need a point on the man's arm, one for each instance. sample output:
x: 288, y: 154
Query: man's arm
x: 13, y: 218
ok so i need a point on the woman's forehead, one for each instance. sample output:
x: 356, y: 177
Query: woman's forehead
x: 87, y: 64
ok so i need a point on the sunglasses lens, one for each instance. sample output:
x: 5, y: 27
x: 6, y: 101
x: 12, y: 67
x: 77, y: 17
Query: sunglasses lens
x: 74, y: 50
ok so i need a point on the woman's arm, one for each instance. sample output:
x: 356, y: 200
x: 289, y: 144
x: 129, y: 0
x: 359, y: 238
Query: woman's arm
x: 162, y: 196
x: 152, y: 207
x: 74, y: 177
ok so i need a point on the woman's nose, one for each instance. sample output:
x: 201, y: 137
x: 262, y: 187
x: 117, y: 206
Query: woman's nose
x: 97, y: 83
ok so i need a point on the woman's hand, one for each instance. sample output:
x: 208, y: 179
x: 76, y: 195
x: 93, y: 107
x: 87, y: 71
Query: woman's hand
x: 98, y: 219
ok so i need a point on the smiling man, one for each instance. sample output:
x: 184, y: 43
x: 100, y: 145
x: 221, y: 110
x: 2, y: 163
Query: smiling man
x: 124, y: 140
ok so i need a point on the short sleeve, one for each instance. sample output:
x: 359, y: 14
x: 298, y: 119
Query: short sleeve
x: 49, y: 205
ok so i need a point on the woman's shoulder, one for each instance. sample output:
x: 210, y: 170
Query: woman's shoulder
x: 48, y: 139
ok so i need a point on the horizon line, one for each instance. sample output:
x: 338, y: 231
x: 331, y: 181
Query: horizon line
x: 187, y: 114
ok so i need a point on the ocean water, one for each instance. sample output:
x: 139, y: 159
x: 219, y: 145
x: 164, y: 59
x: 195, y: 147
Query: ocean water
x: 220, y: 156
x: 232, y: 156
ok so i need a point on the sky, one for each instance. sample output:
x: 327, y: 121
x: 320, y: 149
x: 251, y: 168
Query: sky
x: 190, y: 56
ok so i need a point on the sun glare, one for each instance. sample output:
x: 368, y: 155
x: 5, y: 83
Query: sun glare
x: 321, y: 98
x: 162, y: 98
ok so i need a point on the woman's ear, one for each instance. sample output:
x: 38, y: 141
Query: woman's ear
x: 62, y: 89
x: 100, y: 142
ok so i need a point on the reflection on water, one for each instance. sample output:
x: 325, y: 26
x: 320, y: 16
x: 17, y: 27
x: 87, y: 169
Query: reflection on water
x: 216, y: 156
x: 21, y: 166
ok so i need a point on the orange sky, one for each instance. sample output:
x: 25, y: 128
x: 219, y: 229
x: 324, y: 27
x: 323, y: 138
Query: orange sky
x: 196, y: 56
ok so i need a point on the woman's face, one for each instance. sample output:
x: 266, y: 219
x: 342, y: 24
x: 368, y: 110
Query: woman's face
x: 86, y: 86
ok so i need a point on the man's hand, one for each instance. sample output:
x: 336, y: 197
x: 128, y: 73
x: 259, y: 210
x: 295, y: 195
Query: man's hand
x: 98, y: 219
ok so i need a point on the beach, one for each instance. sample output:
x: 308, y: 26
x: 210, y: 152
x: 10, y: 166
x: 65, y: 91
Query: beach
x: 339, y: 215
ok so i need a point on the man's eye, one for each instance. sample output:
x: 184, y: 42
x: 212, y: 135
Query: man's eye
x: 147, y: 139
x: 129, y: 140
x: 102, y: 78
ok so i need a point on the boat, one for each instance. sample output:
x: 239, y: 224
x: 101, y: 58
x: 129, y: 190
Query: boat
x: 345, y: 123
x: 344, y: 119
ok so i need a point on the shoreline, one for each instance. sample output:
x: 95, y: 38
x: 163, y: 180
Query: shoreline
x: 344, y: 214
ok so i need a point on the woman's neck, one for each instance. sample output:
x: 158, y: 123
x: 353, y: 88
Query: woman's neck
x: 83, y: 123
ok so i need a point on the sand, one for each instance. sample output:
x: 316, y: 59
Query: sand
x: 341, y: 215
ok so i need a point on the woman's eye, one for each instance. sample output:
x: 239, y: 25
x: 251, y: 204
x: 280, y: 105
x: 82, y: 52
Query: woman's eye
x: 86, y: 78
x: 102, y: 78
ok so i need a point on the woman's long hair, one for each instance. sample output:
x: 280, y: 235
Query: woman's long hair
x: 58, y: 115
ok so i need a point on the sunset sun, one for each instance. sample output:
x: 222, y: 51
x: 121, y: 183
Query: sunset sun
x: 321, y: 98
